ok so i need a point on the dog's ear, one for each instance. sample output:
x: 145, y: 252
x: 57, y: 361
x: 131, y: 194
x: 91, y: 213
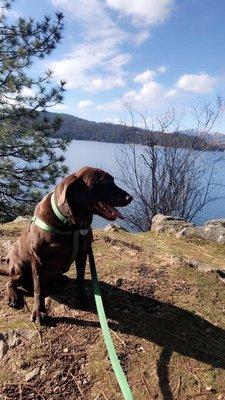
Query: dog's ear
x: 72, y: 186
x: 63, y: 187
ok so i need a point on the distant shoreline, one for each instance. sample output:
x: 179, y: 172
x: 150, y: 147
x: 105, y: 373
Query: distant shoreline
x: 75, y: 128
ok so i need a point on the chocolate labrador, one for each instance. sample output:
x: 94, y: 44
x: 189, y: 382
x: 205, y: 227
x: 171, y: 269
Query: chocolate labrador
x: 45, y: 250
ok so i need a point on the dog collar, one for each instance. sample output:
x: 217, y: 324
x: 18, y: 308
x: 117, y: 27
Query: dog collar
x: 56, y: 210
x: 61, y: 217
x: 37, y: 221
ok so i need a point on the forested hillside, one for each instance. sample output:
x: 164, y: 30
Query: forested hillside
x: 80, y: 129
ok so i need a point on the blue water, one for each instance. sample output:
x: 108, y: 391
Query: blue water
x: 103, y: 155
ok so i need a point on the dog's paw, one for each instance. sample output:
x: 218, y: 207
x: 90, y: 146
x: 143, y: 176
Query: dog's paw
x: 13, y: 300
x: 38, y: 316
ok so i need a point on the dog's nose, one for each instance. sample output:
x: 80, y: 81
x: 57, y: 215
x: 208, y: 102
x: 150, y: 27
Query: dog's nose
x: 129, y: 198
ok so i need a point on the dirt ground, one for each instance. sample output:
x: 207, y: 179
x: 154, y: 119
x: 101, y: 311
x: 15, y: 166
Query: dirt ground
x: 167, y: 321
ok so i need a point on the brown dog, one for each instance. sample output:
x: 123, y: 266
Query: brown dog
x: 39, y: 256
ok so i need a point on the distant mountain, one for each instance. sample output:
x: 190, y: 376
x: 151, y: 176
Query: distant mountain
x: 80, y: 129
x: 215, y: 137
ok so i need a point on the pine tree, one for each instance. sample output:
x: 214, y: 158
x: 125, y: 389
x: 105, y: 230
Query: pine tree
x: 30, y: 157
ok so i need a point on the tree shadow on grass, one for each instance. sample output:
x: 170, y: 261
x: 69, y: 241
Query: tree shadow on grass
x: 172, y: 328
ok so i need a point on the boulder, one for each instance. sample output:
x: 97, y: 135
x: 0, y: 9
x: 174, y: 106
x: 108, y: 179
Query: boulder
x: 14, y: 338
x: 182, y: 261
x: 213, y: 230
x: 168, y: 224
x: 188, y: 232
x: 114, y: 228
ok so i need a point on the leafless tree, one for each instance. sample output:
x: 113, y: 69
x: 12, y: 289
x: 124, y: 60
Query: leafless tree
x: 175, y: 179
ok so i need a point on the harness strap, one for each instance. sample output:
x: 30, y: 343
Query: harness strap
x: 56, y: 210
x: 37, y: 221
x: 41, y: 224
x: 120, y: 376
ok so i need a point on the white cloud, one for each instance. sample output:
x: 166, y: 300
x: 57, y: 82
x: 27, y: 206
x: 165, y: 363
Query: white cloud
x: 171, y: 93
x: 98, y: 63
x: 92, y: 15
x: 149, y: 74
x: 85, y: 103
x: 149, y: 12
x: 149, y: 95
x: 107, y: 83
x: 141, y: 37
x: 116, y: 121
x: 97, y: 83
x: 197, y: 83
x: 145, y: 76
x: 78, y: 67
x: 148, y: 92
x: 162, y: 69
x: 59, y: 108
x: 100, y: 51
x: 27, y: 92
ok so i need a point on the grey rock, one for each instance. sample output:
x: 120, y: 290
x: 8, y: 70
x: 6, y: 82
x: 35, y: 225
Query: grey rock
x: 178, y: 261
x: 26, y: 333
x: 218, y: 221
x: 213, y: 230
x: 115, y: 228
x: 3, y: 348
x: 168, y: 224
x: 11, y: 339
x: 32, y: 374
x: 189, y: 231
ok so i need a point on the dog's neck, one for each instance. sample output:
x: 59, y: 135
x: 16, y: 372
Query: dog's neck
x: 75, y: 218
x: 45, y: 212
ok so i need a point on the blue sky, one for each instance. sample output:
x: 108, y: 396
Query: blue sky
x: 150, y: 54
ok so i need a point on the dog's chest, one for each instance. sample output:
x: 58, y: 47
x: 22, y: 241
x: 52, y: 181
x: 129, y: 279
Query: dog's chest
x: 59, y: 253
x: 66, y: 252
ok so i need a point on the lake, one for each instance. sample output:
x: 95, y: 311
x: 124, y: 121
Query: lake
x: 103, y: 155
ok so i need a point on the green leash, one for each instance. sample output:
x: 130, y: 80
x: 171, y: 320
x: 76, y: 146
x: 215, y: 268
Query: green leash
x: 120, y: 376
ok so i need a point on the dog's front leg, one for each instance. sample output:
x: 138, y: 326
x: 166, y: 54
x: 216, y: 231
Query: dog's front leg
x: 39, y: 311
x: 81, y: 260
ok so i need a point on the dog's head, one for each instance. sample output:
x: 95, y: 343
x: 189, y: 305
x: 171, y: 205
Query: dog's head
x: 91, y: 191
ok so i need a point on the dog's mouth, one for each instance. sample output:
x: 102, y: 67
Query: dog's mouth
x: 107, y: 211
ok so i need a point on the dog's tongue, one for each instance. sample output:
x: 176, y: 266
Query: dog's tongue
x: 118, y: 214
x: 115, y: 212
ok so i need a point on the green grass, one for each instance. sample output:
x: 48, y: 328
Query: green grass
x: 167, y: 321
